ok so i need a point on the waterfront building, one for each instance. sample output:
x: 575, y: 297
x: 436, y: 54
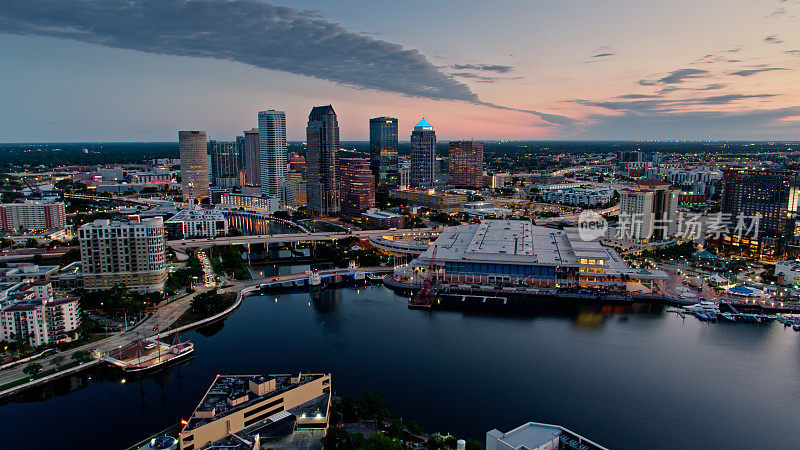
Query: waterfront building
x: 465, y: 161
x: 515, y: 252
x: 381, y: 220
x: 295, y: 190
x: 383, y: 150
x: 252, y: 157
x: 322, y: 145
x: 33, y: 215
x: 357, y: 187
x: 772, y: 194
x: 578, y: 196
x: 30, y: 314
x: 423, y: 155
x: 194, y: 165
x: 130, y: 254
x: 225, y: 163
x: 269, y: 204
x: 196, y: 223
x: 440, y: 201
x: 238, y: 411
x: 538, y: 436
x: 272, y: 149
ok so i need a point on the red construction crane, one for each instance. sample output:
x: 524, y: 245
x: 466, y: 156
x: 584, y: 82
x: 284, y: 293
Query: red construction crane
x: 427, y: 295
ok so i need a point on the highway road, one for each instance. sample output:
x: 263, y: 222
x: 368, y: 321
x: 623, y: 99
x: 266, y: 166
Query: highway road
x: 294, y: 237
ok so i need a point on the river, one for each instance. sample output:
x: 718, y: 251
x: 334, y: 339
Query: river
x: 625, y: 381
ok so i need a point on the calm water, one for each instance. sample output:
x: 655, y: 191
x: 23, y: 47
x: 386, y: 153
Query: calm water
x: 651, y: 381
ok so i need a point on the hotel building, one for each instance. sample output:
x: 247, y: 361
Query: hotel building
x: 130, y: 254
x: 245, y: 411
x: 32, y: 215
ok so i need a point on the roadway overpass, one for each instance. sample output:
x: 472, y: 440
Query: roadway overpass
x: 296, y: 237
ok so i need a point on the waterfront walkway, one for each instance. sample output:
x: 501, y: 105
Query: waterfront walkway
x: 160, y: 321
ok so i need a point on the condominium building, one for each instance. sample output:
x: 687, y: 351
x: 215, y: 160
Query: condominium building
x: 194, y: 165
x: 32, y: 215
x: 130, y: 254
x: 272, y: 150
x: 238, y: 411
x: 383, y: 150
x: 423, y: 155
x: 356, y: 187
x: 30, y: 314
x: 196, y: 223
x: 466, y: 163
x: 295, y: 190
x: 322, y: 145
x: 648, y: 212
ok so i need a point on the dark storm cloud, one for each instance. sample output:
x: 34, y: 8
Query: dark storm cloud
x: 749, y: 72
x: 638, y: 104
x: 772, y: 39
x: 487, y: 67
x: 763, y: 124
x: 675, y: 77
x: 249, y: 32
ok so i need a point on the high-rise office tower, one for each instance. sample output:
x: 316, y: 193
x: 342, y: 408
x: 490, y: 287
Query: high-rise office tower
x: 224, y: 163
x: 423, y: 155
x: 772, y: 194
x: 252, y: 158
x: 466, y: 163
x: 383, y: 150
x: 357, y: 187
x: 194, y: 165
x: 272, y: 148
x: 322, y: 144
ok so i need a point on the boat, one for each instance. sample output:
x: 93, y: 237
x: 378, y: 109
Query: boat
x: 729, y: 317
x: 147, y: 354
x: 796, y: 327
x: 712, y: 316
x: 701, y: 315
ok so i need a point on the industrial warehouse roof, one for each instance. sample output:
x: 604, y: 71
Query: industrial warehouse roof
x: 520, y: 242
x: 516, y: 241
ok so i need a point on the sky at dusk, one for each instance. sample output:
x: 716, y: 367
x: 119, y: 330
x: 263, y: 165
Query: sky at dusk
x: 118, y: 70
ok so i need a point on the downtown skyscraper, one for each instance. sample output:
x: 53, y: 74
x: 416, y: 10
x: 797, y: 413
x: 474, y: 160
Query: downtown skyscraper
x: 356, y: 186
x: 383, y: 150
x: 194, y: 165
x: 465, y: 160
x: 322, y: 145
x: 252, y: 157
x: 272, y: 150
x: 423, y: 155
x: 225, y: 159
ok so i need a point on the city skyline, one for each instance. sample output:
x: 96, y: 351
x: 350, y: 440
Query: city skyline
x: 608, y: 75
